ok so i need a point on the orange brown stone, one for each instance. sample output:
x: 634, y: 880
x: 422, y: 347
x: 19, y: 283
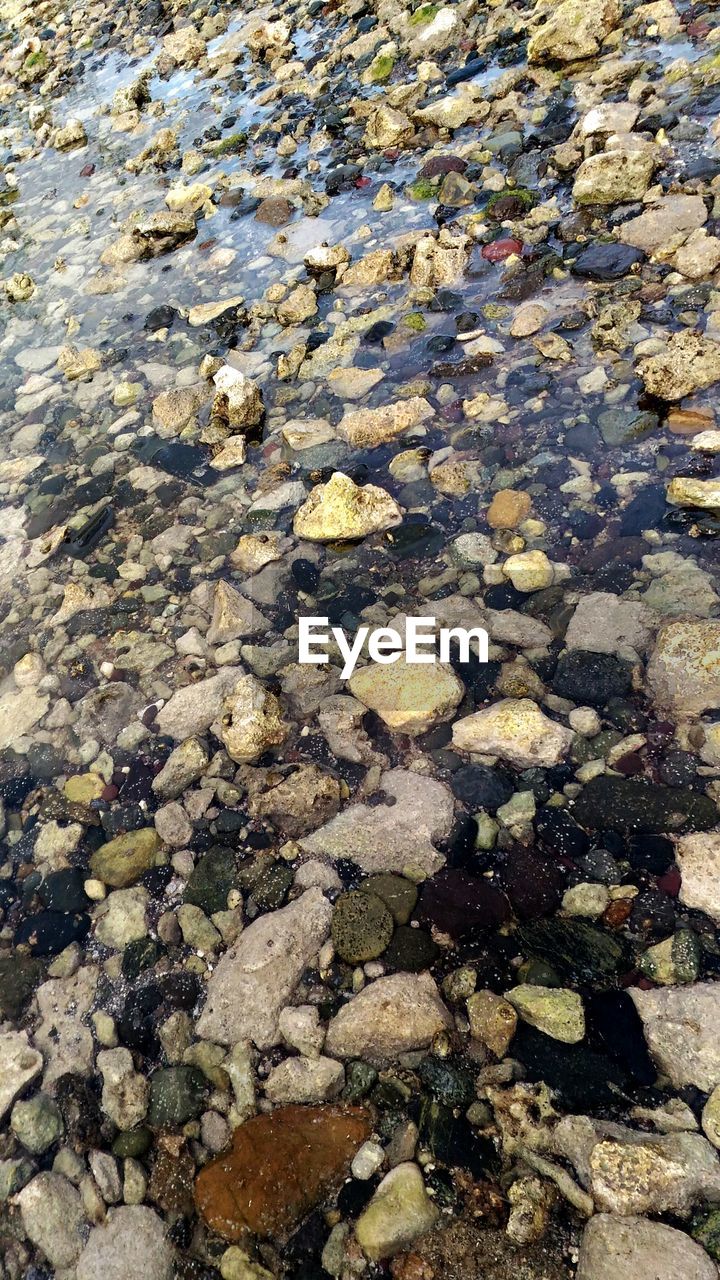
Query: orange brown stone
x: 279, y: 1167
x: 508, y: 509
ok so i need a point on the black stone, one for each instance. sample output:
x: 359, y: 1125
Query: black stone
x: 581, y: 1076
x: 650, y: 853
x: 410, y: 950
x: 460, y: 904
x: 591, y: 678
x: 631, y: 807
x: 560, y: 835
x: 64, y: 891
x: 614, y: 1027
x: 579, y: 952
x: 49, y: 932
x: 609, y: 261
x: 533, y: 884
x: 480, y: 787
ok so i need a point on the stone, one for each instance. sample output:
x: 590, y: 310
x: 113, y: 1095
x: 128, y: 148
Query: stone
x: 132, y: 1241
x: 233, y: 453
x: 184, y: 766
x: 71, y: 135
x: 614, y: 177
x: 606, y: 261
x: 441, y: 262
x: 516, y: 730
x: 252, y: 721
x: 605, y: 623
x: 573, y: 30
x: 237, y: 399
x: 184, y: 46
x: 631, y: 807
x: 123, y: 860
x: 234, y: 616
x: 699, y: 256
x: 555, y: 1011
x: 508, y: 509
x: 390, y: 837
x: 409, y: 697
x: 690, y: 362
x: 280, y: 1166
x: 368, y: 428
x: 342, y: 511
x: 698, y: 857
x: 529, y: 571
x: 192, y: 709
x: 305, y: 1080
x: 398, y: 1213
x: 665, y: 1174
x: 299, y: 1026
x: 615, y: 1246
x: 662, y: 221
x: 680, y: 1028
x: 66, y: 1042
x: 256, y: 977
x: 125, y: 1092
x: 122, y: 918
x: 19, y: 713
x: 493, y: 1021
x: 683, y: 675
x: 688, y: 491
x: 387, y: 127
x: 361, y: 928
x: 37, y: 1123
x: 389, y: 1017
x: 528, y: 319
x: 19, y: 1065
x: 177, y: 408
x: 296, y: 804
x: 300, y: 305
x: 53, y: 1218
x: 176, y: 1096
x: 372, y: 268
x: 711, y: 1117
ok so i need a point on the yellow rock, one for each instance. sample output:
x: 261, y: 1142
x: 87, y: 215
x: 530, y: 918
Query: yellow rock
x: 81, y: 788
x: 342, y: 511
x: 409, y: 697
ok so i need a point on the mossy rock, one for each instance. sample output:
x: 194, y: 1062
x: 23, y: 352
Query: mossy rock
x: 424, y: 14
x: 361, y: 927
x: 399, y: 894
x: 422, y: 189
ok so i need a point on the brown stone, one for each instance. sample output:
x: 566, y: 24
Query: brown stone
x: 275, y: 210
x: 171, y: 1180
x: 687, y: 422
x: 508, y: 509
x: 279, y: 1167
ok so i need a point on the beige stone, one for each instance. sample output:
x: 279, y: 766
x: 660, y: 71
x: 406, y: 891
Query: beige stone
x: 409, y: 697
x: 342, y: 511
x: 516, y: 730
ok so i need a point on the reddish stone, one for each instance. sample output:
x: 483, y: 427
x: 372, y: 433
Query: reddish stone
x: 499, y: 250
x: 438, y: 166
x: 670, y: 882
x: 617, y: 912
x: 363, y: 182
x: 279, y: 1167
x: 87, y: 171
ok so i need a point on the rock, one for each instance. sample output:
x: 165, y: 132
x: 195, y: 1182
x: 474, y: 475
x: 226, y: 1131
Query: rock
x: 604, y: 623
x: 185, y: 46
x: 184, y: 766
x: 662, y: 221
x: 234, y: 616
x: 573, y: 31
x: 631, y: 807
x: 557, y: 1012
x: 19, y: 713
x: 300, y: 305
x: 614, y: 177
x: 132, y: 1241
x: 390, y: 837
x: 665, y: 1174
x: 63, y: 1037
x: 398, y: 1213
x: 251, y: 721
x: 387, y: 127
x: 368, y: 428
x: 606, y: 261
x: 342, y: 511
x: 194, y: 708
x: 493, y: 1021
x: 687, y: 491
x: 409, y: 697
x: 71, y: 135
x: 389, y: 1017
x: 238, y: 399
x: 178, y: 407
x: 279, y: 1168
x: 19, y: 1065
x: 699, y: 256
x: 103, y: 713
x: 698, y: 857
x: 305, y: 1080
x: 529, y: 571
x: 361, y: 928
x: 680, y: 1028
x: 276, y: 211
x: 516, y: 730
x: 591, y: 678
x: 300, y: 1029
x: 507, y: 510
x: 691, y: 362
x: 440, y: 262
x: 683, y: 675
x: 126, y: 1092
x: 122, y: 918
x: 255, y: 979
x: 122, y: 861
x: 711, y: 1117
x: 615, y: 1246
x: 53, y: 1218
x: 176, y: 1096
x: 37, y: 1123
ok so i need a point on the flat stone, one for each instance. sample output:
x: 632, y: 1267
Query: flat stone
x: 409, y: 697
x: 615, y: 1246
x: 508, y: 509
x: 389, y: 1017
x: 614, y: 177
x: 122, y: 861
x: 256, y: 978
x: 234, y: 616
x: 368, y: 428
x: 689, y: 491
x: 280, y: 1166
x: 573, y: 30
x: 390, y: 837
x: 342, y: 511
x: 680, y: 1026
x: 493, y: 1021
x: 53, y: 1218
x: 661, y: 221
x: 192, y: 709
x: 631, y: 806
x: 698, y: 857
x: 556, y: 1011
x: 19, y: 1065
x: 184, y: 766
x: 399, y: 1212
x: 605, y: 623
x: 516, y: 730
x: 131, y: 1242
x: 63, y: 1036
x: 683, y: 675
x: 305, y: 1080
x: 19, y: 713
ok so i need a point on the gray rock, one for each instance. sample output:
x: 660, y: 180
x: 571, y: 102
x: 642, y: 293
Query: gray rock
x: 104, y: 712
x: 53, y: 1218
x: 256, y: 978
x: 183, y: 766
x: 193, y: 709
x: 390, y: 837
x: 389, y: 1017
x: 125, y: 1091
x: 131, y: 1242
x: 603, y: 623
x: 615, y: 1247
x: 19, y: 1064
x: 305, y: 1080
x: 698, y: 856
x: 62, y: 1035
x: 37, y: 1123
x: 398, y: 1213
x: 680, y: 1025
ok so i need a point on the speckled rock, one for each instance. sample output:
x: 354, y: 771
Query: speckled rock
x: 387, y: 1018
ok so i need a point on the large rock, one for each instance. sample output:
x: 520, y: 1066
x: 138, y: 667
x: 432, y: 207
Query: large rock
x: 62, y: 1035
x: 604, y: 623
x: 516, y: 730
x: 367, y: 428
x: 680, y: 1025
x: 399, y: 1212
x: 409, y: 697
x: 342, y: 511
x: 194, y: 708
x: 126, y: 858
x: 389, y: 1017
x: 698, y: 857
x: 20, y: 711
x: 690, y: 491
x: 614, y: 177
x: 630, y: 806
x: 613, y: 1246
x: 251, y: 721
x: 280, y: 1166
x: 574, y: 30
x: 389, y: 837
x: 19, y: 1065
x: 683, y: 675
x: 387, y: 127
x: 131, y: 1242
x: 690, y: 363
x: 234, y: 616
x: 659, y: 223
x: 256, y: 978
x: 53, y: 1218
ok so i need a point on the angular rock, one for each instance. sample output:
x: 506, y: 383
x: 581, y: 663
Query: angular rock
x: 305, y: 1080
x: 614, y: 1246
x: 251, y: 721
x: 342, y: 511
x: 680, y: 1025
x: 256, y: 978
x: 409, y: 697
x: 698, y: 857
x: 234, y: 616
x: 131, y: 1242
x: 19, y: 1065
x: 516, y: 730
x: 194, y: 708
x: 368, y: 428
x: 683, y: 675
x: 182, y: 768
x: 614, y: 177
x: 604, y: 623
x: 690, y: 363
x: 389, y: 1017
x: 557, y: 1012
x: 399, y: 1212
x: 661, y: 222
x: 574, y: 30
x: 53, y: 1218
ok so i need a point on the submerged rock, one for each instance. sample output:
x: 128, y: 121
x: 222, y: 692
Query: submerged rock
x: 342, y: 511
x: 516, y: 730
x: 389, y: 1017
x: 398, y: 1213
x: 632, y: 1246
